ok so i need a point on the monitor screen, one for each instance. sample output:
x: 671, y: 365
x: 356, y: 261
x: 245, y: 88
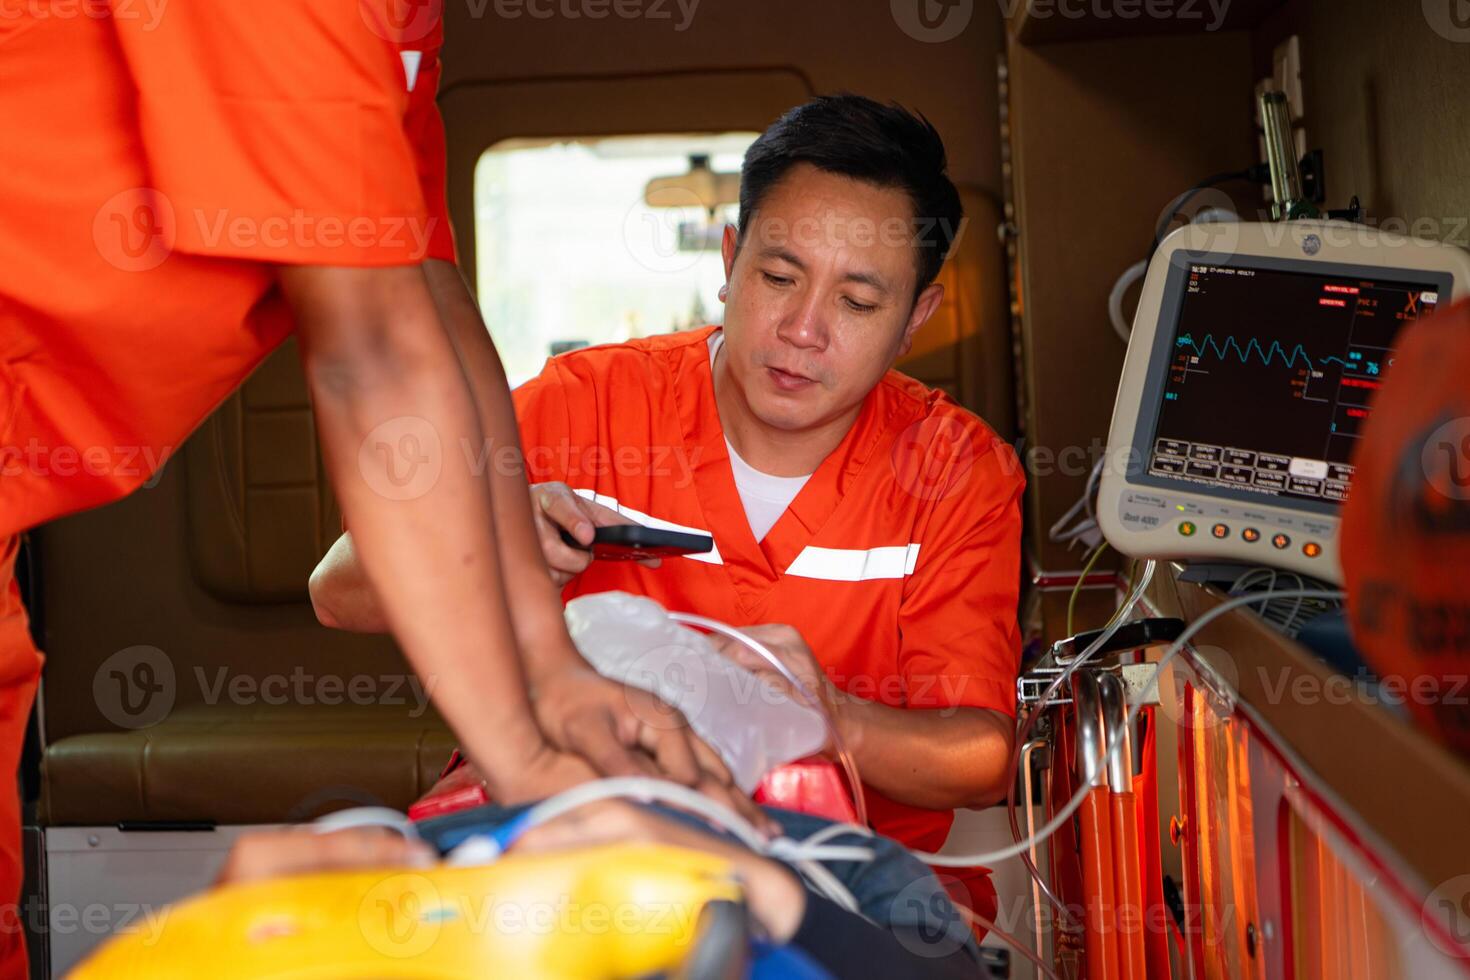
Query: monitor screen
x: 1271, y: 366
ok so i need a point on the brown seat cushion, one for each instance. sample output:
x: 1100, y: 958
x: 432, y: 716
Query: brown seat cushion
x: 246, y: 765
x: 260, y: 509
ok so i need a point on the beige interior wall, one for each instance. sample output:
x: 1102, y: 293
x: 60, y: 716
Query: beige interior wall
x: 836, y: 45
x: 1104, y: 133
x: 1387, y: 97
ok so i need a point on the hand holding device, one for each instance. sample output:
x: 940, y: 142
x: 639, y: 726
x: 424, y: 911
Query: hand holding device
x: 634, y: 542
x: 566, y: 525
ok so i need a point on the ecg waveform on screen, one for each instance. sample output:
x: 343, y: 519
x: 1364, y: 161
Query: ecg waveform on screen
x: 1267, y: 354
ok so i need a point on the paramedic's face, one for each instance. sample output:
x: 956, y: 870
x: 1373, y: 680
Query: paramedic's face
x: 821, y: 297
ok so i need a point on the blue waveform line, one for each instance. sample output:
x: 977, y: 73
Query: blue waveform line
x: 1267, y: 354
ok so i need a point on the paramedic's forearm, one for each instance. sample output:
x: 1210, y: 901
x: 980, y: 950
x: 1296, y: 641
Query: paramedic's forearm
x: 380, y: 368
x: 939, y: 758
x: 534, y: 600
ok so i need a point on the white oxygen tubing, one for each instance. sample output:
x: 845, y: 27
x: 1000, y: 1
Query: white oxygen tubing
x: 1024, y: 730
x: 1115, y: 299
x: 1115, y: 740
x: 1042, y: 966
x: 849, y: 765
x: 366, y: 816
x: 802, y: 855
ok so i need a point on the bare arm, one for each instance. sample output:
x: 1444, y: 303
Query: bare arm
x: 577, y: 709
x: 340, y: 592
x: 533, y: 597
x: 939, y: 758
x: 393, y: 407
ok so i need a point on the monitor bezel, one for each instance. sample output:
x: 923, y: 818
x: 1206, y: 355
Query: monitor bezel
x: 1166, y: 325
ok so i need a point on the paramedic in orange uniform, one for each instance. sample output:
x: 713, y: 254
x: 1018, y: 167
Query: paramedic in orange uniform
x: 194, y: 182
x: 865, y: 525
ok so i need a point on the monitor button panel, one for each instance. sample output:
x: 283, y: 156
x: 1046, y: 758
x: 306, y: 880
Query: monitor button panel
x: 1226, y: 531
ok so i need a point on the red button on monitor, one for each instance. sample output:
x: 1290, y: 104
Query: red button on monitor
x: 1251, y: 535
x: 1220, y: 531
x: 1311, y: 549
x: 1281, y: 542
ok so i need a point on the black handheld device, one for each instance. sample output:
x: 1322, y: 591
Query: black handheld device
x: 634, y: 542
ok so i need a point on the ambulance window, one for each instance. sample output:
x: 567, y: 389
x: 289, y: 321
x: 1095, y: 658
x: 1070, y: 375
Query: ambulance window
x: 569, y: 253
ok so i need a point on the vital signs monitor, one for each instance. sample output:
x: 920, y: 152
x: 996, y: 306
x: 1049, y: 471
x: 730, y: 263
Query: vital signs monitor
x: 1250, y: 373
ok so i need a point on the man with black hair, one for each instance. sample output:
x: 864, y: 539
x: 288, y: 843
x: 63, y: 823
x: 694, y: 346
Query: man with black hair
x: 865, y: 526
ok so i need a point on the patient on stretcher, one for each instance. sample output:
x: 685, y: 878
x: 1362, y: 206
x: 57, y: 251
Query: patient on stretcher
x: 904, y: 925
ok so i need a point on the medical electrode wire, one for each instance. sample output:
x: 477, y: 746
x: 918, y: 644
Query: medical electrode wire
x: 1115, y: 740
x: 1013, y: 768
x: 839, y: 746
x: 1077, y: 589
x: 645, y: 789
x: 977, y: 919
x: 378, y: 817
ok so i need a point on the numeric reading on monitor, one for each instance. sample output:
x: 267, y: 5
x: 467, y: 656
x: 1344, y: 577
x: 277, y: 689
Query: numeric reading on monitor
x: 1271, y: 375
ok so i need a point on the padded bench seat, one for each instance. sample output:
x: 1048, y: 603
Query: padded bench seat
x: 245, y: 765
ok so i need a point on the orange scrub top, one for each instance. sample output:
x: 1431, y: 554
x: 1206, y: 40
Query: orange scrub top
x: 161, y: 160
x: 167, y: 164
x: 899, y: 561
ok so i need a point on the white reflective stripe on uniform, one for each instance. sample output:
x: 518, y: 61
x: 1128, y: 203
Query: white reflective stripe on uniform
x: 855, y: 564
x: 638, y: 517
x: 411, y: 62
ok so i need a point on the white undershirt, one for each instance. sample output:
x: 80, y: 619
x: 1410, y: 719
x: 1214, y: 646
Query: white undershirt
x: 764, y: 497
